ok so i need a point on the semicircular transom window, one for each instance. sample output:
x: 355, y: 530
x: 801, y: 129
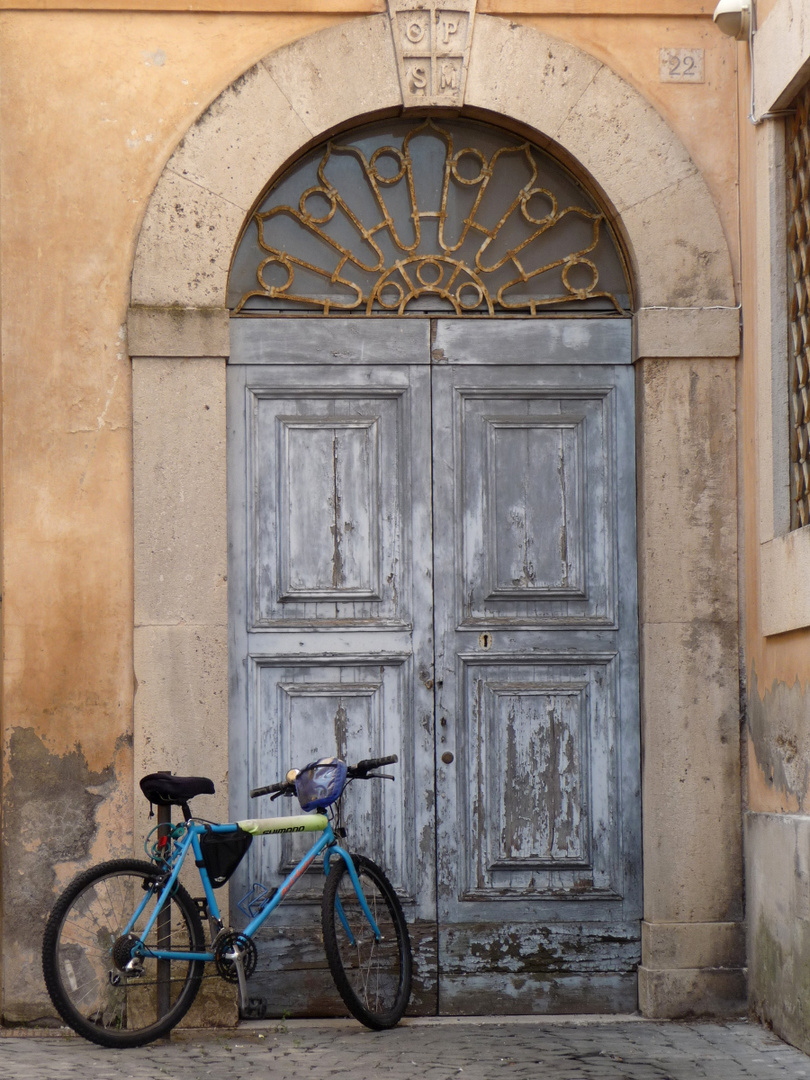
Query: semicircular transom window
x: 428, y: 217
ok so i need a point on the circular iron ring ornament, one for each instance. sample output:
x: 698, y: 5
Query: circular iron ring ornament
x: 408, y: 290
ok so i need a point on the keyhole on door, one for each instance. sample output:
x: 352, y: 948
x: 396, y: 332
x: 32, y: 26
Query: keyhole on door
x: 485, y: 640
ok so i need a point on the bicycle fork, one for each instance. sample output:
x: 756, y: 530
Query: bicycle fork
x: 358, y: 888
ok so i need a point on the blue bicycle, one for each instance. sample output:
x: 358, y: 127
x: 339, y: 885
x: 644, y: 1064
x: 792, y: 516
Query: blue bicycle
x: 124, y: 949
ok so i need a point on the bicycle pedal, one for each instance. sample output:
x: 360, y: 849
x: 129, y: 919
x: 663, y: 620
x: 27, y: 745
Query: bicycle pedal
x: 255, y: 1009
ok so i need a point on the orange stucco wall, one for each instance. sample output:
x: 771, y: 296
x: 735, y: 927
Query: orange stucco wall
x: 92, y: 103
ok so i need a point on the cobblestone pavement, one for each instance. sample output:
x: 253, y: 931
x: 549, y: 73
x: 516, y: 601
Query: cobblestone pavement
x: 590, y: 1048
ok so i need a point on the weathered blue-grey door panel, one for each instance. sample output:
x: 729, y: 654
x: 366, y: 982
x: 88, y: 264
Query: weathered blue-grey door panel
x: 537, y: 687
x: 331, y: 633
x: 330, y: 523
x: 539, y: 535
x: 379, y: 501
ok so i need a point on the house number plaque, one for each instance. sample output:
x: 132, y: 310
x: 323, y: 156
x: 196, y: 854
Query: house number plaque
x: 432, y: 42
x: 681, y: 65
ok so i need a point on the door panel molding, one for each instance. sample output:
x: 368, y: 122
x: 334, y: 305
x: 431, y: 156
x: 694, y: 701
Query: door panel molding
x: 500, y: 752
x: 572, y: 475
x: 329, y: 457
x: 356, y: 705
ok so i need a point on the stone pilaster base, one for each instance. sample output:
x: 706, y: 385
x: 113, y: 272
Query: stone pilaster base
x: 692, y: 969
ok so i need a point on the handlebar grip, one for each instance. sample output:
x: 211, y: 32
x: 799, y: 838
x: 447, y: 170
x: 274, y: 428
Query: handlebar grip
x: 268, y: 788
x: 375, y: 763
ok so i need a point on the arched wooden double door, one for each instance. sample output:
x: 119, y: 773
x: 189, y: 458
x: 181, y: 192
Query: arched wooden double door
x: 432, y: 554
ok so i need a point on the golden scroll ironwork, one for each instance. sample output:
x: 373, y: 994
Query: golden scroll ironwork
x: 480, y: 245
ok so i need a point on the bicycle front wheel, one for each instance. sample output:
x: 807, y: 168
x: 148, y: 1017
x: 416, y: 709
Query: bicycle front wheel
x: 372, y: 976
x: 85, y: 955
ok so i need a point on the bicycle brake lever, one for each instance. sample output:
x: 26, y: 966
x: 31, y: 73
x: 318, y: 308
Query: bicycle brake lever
x: 378, y: 776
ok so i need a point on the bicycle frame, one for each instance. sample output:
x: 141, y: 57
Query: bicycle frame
x: 327, y: 843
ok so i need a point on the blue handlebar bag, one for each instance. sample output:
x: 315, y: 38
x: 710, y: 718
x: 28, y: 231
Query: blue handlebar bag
x: 320, y: 783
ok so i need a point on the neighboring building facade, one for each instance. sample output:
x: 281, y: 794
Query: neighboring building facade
x: 777, y: 613
x: 343, y: 487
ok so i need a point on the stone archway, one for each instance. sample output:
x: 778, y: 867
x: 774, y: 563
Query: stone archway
x: 563, y: 95
x: 686, y: 338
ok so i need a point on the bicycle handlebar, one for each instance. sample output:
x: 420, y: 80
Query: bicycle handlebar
x: 360, y: 771
x: 268, y: 788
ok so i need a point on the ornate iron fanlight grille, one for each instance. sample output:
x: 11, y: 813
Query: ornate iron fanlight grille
x: 798, y: 246
x: 408, y: 218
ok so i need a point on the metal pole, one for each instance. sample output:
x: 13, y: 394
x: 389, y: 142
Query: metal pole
x: 164, y: 927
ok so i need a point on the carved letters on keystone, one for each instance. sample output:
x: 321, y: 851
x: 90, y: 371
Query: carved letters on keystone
x: 432, y: 42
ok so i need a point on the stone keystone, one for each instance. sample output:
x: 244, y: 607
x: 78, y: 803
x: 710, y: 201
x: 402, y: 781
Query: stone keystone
x: 432, y: 43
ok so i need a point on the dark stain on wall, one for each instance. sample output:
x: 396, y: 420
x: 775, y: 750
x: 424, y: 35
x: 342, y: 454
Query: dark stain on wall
x: 50, y: 803
x: 778, y: 891
x: 779, y: 726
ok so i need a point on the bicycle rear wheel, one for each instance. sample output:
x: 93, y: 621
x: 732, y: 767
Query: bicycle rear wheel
x: 84, y: 954
x: 373, y: 977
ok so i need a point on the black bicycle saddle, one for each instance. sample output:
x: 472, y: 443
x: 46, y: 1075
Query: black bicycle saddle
x: 165, y: 789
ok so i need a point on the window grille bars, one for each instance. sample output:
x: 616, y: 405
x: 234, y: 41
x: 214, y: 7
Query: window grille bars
x: 798, y: 251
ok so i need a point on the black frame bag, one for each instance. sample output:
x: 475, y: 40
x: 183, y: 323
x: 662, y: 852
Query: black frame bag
x: 222, y: 853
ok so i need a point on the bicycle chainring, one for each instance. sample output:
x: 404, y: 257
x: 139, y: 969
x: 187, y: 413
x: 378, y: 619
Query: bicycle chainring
x: 224, y: 950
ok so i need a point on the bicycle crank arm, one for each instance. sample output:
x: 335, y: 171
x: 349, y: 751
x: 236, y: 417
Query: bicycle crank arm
x: 235, y: 957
